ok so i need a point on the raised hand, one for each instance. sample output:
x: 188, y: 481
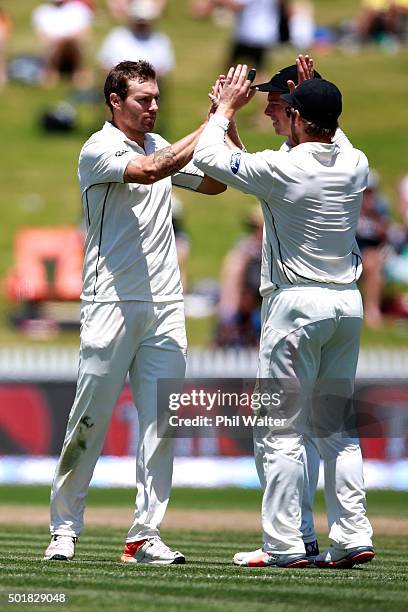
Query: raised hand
x: 215, y: 94
x: 236, y: 91
x: 305, y: 70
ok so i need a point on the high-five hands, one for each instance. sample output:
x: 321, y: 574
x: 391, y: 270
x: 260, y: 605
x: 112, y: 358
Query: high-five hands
x: 233, y: 91
x: 305, y: 70
x: 215, y: 94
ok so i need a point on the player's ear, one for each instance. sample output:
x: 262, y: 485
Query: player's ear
x: 115, y: 100
x: 296, y: 115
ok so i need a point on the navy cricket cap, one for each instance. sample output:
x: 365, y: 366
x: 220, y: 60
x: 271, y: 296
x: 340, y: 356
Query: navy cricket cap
x: 279, y: 82
x: 317, y: 100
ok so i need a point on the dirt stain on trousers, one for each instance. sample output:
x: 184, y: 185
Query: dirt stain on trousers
x: 76, y: 446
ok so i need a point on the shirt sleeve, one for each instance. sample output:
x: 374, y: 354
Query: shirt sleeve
x: 189, y: 177
x: 100, y: 163
x: 249, y: 172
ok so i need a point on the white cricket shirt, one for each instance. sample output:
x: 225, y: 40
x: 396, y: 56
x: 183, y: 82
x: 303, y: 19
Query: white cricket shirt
x: 310, y: 196
x: 130, y: 251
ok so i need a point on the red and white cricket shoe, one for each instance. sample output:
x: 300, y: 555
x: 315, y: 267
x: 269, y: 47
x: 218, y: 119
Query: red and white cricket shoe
x: 152, y: 550
x: 336, y: 557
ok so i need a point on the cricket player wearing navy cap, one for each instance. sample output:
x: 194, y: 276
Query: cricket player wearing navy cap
x: 312, y: 310
x: 278, y: 85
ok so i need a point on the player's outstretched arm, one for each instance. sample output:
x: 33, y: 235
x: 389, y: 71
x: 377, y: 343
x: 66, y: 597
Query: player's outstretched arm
x: 165, y: 162
x: 162, y: 163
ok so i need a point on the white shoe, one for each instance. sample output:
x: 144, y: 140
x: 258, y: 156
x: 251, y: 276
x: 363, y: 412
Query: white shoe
x: 61, y: 548
x: 259, y: 558
x: 338, y: 557
x: 152, y: 550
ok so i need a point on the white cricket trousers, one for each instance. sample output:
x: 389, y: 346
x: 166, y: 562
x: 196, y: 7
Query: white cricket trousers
x: 311, y: 479
x: 310, y: 333
x: 148, y: 341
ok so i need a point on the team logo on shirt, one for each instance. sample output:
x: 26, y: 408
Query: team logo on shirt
x: 120, y: 153
x: 235, y: 161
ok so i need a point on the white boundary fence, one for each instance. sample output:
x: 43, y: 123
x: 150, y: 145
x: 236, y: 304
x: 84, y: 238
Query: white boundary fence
x: 45, y: 363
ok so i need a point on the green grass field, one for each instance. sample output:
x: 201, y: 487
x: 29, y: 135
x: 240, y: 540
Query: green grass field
x: 41, y: 186
x: 95, y: 580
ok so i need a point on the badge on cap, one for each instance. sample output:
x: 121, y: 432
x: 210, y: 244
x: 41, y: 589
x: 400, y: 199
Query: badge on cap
x: 235, y: 161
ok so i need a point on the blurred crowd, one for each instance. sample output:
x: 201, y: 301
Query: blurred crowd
x: 64, y: 30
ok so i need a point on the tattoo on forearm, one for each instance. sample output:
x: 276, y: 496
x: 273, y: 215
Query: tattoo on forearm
x: 166, y: 162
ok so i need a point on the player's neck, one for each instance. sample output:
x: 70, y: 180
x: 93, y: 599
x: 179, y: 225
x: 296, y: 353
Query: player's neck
x: 308, y: 138
x: 134, y: 135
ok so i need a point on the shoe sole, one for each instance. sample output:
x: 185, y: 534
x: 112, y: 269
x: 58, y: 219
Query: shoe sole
x: 176, y: 561
x: 299, y: 564
x: 311, y: 561
x: 57, y: 558
x: 364, y: 556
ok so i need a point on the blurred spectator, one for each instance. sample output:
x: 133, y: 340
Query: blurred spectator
x: 379, y: 18
x: 396, y: 266
x: 256, y: 28
x: 182, y: 240
x: 239, y: 309
x: 62, y: 26
x: 119, y: 9
x: 371, y: 236
x: 301, y: 24
x: 403, y: 198
x: 284, y: 14
x: 138, y: 40
x: 5, y: 31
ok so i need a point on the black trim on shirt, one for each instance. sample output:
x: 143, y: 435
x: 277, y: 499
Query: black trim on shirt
x: 87, y: 208
x: 189, y: 174
x: 103, y: 183
x: 358, y: 257
x: 271, y: 271
x: 100, y: 238
x: 185, y: 187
